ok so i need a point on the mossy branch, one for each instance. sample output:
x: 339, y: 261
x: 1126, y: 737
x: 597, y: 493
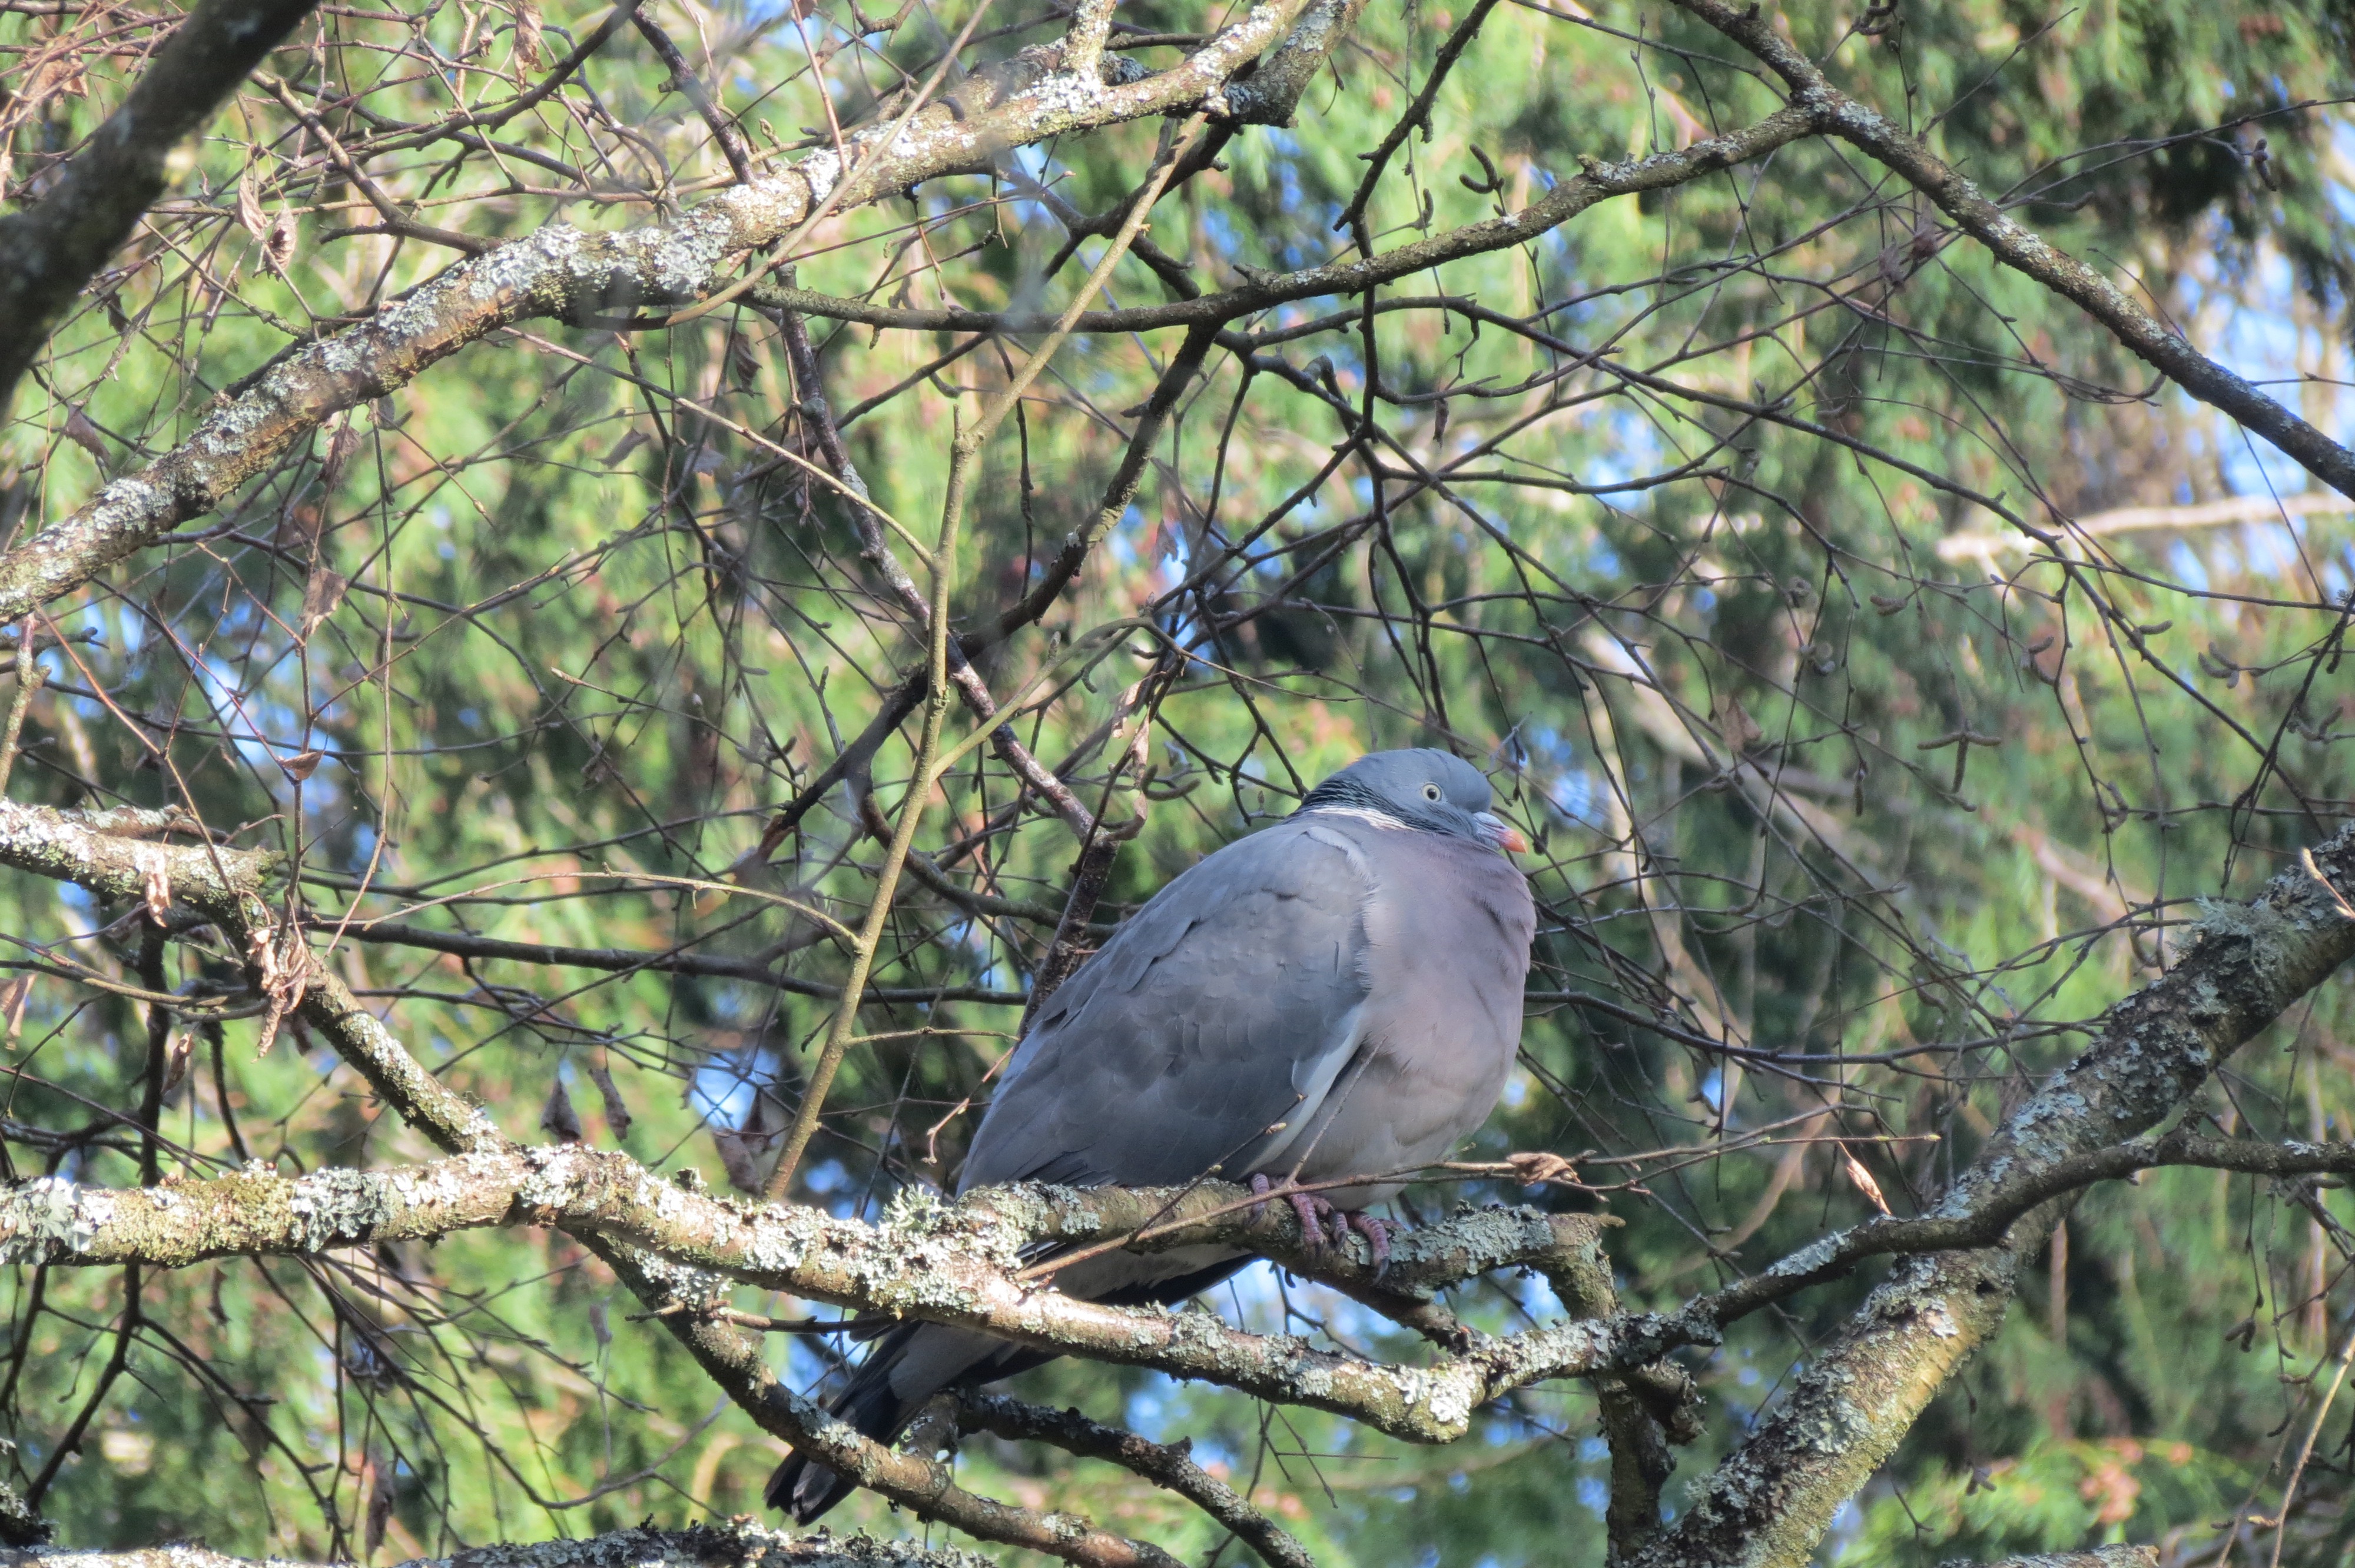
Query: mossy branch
x: 567, y: 274
x: 698, y: 1546
x: 960, y: 1263
x: 1772, y: 1500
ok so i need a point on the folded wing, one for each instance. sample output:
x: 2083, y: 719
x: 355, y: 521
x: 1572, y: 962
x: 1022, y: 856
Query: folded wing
x: 1226, y: 1006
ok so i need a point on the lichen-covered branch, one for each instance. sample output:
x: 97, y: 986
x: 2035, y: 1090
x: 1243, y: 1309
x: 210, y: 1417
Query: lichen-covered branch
x: 1770, y: 1501
x: 563, y: 273
x: 1272, y: 92
x: 1643, y: 1408
x: 224, y: 886
x: 959, y: 1263
x: 698, y: 1546
x: 1166, y: 1465
x: 112, y: 855
x: 732, y: 1360
x: 52, y: 247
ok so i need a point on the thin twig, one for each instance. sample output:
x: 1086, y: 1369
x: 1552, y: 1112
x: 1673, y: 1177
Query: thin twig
x: 29, y: 676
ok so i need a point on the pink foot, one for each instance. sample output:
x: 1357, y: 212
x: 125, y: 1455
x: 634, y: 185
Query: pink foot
x: 1321, y: 1223
x: 1307, y: 1206
x: 1377, y: 1232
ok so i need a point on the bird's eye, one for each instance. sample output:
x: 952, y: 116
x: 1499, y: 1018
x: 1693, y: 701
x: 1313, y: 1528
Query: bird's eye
x: 1430, y: 791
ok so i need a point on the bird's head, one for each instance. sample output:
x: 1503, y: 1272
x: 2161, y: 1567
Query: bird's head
x: 1420, y: 789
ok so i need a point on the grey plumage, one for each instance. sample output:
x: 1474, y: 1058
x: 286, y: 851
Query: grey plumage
x: 1339, y: 994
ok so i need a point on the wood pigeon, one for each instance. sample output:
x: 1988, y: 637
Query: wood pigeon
x: 1337, y: 994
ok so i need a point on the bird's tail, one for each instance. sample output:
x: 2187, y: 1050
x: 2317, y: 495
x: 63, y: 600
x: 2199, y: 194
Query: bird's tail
x: 913, y: 1362
x: 905, y: 1369
x: 806, y: 1489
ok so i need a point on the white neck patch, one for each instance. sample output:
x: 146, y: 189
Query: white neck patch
x: 1365, y: 814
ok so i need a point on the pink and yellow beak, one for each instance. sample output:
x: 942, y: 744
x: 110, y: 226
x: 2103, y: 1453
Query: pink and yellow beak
x: 1501, y: 834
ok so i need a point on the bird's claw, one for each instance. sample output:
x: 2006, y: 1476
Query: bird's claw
x: 1313, y: 1212
x: 1321, y: 1223
x: 1377, y: 1232
x: 1316, y: 1214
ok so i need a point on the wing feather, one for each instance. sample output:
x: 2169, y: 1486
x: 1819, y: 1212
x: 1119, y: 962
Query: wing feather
x: 1225, y: 1005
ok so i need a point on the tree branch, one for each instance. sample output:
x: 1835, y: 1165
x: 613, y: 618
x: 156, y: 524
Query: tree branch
x: 960, y: 1263
x: 698, y: 1546
x: 1772, y: 1500
x: 563, y: 273
x: 1832, y: 111
x: 1168, y: 1465
x: 51, y: 249
x: 628, y: 961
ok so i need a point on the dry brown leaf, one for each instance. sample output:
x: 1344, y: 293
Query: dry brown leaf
x: 13, y: 997
x: 278, y: 245
x: 1536, y: 1167
x: 617, y: 1110
x: 158, y: 889
x: 1740, y: 730
x: 321, y: 595
x: 60, y: 75
x: 175, y: 1058
x: 624, y: 447
x: 274, y: 233
x: 1862, y: 1181
x: 744, y: 366
x: 528, y: 50
x: 743, y: 1167
x: 285, y: 978
x: 379, y: 1509
x: 87, y: 436
x: 249, y: 206
x: 558, y: 1119
x: 745, y: 1149
x: 341, y: 445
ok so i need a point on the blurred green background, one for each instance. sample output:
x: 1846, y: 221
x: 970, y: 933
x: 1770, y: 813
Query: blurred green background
x: 562, y: 637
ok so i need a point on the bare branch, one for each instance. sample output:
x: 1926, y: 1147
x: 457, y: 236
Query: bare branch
x: 1169, y: 1465
x: 51, y: 249
x: 628, y: 961
x: 1772, y: 1500
x: 562, y: 272
x: 1835, y: 113
x: 698, y: 1546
